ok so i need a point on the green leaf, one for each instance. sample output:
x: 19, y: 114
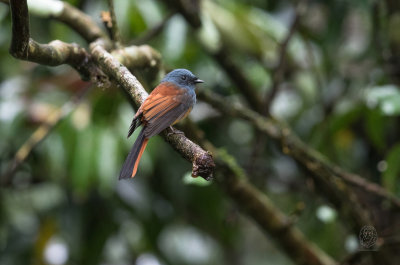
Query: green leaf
x: 199, y: 181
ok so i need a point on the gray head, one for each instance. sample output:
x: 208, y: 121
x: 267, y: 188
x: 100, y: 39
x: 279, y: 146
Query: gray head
x: 182, y: 77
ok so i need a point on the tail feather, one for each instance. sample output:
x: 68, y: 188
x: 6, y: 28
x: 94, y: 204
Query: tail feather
x: 132, y: 161
x: 135, y: 123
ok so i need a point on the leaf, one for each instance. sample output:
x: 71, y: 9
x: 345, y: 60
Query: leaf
x: 199, y: 181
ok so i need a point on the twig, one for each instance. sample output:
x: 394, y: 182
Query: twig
x: 112, y: 25
x: 202, y: 161
x: 43, y: 131
x: 278, y: 71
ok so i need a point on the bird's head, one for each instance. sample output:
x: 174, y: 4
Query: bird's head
x: 183, y: 78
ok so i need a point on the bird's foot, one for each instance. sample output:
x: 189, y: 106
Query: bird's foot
x: 174, y: 131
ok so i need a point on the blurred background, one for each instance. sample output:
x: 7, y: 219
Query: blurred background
x: 339, y: 93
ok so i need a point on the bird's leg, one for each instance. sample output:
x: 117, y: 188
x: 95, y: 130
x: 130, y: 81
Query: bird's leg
x: 173, y: 131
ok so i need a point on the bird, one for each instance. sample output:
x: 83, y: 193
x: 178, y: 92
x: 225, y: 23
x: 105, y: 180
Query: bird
x: 171, y: 101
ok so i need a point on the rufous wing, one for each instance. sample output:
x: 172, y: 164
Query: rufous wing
x: 163, y: 107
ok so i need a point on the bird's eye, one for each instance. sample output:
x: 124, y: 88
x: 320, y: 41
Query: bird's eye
x: 183, y: 77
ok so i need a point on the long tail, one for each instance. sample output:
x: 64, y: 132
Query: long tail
x: 132, y: 161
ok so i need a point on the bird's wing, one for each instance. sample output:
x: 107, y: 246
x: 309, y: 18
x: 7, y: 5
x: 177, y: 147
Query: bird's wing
x: 163, y: 107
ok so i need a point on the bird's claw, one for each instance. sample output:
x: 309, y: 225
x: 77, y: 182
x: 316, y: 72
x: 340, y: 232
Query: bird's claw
x: 174, y: 131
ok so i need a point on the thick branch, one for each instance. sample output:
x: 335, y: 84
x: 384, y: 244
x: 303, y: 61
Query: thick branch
x: 202, y: 161
x: 20, y: 29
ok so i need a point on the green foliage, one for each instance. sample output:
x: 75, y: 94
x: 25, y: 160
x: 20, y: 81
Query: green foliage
x: 189, y: 180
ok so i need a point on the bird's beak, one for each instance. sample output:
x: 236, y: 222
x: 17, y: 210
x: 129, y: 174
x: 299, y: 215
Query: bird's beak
x: 197, y: 81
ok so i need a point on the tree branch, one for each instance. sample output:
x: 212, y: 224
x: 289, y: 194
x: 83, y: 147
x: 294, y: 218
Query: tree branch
x: 20, y: 29
x: 115, y: 35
